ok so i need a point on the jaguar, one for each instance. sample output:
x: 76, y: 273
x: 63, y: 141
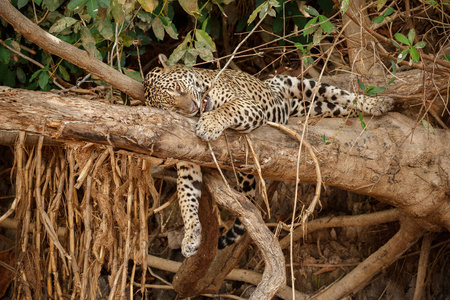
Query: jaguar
x: 239, y: 101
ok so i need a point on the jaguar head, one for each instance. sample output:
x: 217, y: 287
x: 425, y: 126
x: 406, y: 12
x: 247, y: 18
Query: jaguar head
x: 174, y: 88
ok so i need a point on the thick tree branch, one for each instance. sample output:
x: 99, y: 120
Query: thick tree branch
x: 393, y: 159
x: 72, y: 54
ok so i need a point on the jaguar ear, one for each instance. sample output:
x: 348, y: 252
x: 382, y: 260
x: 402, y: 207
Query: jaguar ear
x: 163, y: 61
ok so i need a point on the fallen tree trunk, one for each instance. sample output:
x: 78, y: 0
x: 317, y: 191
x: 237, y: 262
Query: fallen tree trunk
x: 392, y: 160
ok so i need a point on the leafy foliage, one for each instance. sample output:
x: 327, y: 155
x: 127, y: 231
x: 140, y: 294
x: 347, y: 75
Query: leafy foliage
x: 117, y: 32
x: 409, y: 41
x: 128, y: 34
x: 384, y: 16
x: 371, y: 90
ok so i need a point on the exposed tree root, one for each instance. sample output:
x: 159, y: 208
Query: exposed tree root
x: 354, y: 281
x: 423, y: 266
x: 236, y: 274
x: 274, y: 276
x: 387, y: 216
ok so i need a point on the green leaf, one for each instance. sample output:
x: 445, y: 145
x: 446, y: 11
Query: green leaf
x: 255, y: 13
x: 274, y: 3
x: 446, y: 57
x: 420, y: 45
x: 73, y: 4
x: 117, y: 11
x: 361, y: 86
x: 402, y: 38
x: 43, y: 79
x: 51, y: 5
x: 21, y: 3
x: 278, y: 25
x: 308, y: 61
x: 35, y: 74
x: 205, y: 40
x: 149, y: 5
x: 204, y: 52
x: 380, y: 4
x: 414, y: 54
x: 394, y: 71
x: 9, y: 79
x: 165, y: 20
x: 271, y: 13
x: 171, y: 31
x: 318, y: 35
x: 310, y: 27
x: 190, y: 6
x: 4, y: 55
x: 427, y: 126
x: 361, y: 119
x: 158, y: 28
x: 106, y: 29
x: 397, y: 45
x: 378, y: 19
x: 89, y: 43
x: 394, y: 67
x: 402, y: 55
x: 324, y: 140
x: 180, y: 51
x: 327, y: 26
x: 190, y: 57
x: 64, y: 73
x: 104, y: 3
x: 344, y: 6
x: 311, y: 10
x: 220, y: 8
x: 176, y: 55
x: 127, y: 40
x: 374, y: 90
x: 133, y: 74
x: 145, y: 16
x: 299, y: 46
x: 61, y: 24
x: 411, y: 35
x: 263, y: 10
x: 388, y: 12
x: 21, y: 75
x: 92, y: 8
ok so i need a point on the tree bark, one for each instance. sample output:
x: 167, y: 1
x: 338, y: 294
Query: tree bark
x: 361, y: 58
x: 393, y: 160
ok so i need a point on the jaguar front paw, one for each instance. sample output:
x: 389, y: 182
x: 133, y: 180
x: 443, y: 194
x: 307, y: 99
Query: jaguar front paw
x: 208, y: 128
x: 379, y: 105
x: 191, y: 241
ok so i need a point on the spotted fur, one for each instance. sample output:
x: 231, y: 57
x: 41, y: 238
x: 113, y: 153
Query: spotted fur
x: 241, y: 102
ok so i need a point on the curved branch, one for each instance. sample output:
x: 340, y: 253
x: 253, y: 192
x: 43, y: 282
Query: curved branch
x: 274, y: 276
